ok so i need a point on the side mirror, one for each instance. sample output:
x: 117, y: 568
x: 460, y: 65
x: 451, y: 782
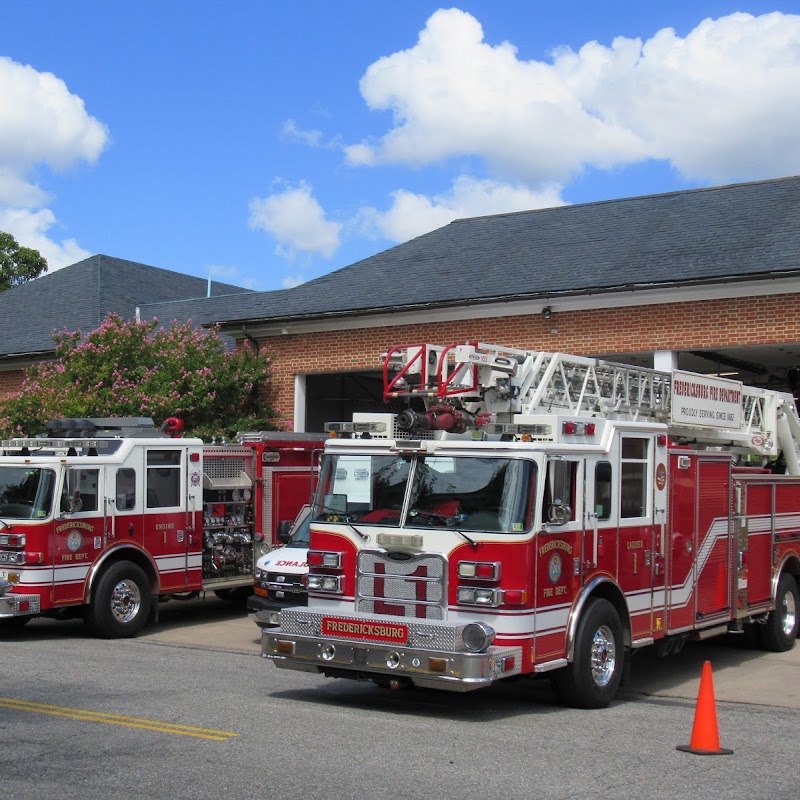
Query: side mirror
x: 559, y: 512
x: 285, y: 530
x: 70, y: 496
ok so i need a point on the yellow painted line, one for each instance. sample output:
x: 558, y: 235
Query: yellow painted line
x: 116, y: 719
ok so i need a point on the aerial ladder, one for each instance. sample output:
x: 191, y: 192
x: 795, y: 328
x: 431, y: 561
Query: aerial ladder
x: 467, y: 386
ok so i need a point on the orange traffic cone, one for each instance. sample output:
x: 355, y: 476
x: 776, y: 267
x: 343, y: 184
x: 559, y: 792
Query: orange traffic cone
x: 705, y: 733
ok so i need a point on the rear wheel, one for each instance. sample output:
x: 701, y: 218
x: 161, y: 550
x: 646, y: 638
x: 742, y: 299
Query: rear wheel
x: 121, y: 602
x: 593, y: 678
x: 780, y: 631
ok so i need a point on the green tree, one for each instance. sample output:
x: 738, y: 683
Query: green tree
x: 18, y: 264
x: 140, y: 369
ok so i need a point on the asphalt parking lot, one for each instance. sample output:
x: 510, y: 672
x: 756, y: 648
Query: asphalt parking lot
x: 742, y: 673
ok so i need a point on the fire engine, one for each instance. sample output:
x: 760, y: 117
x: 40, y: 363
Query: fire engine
x: 542, y: 514
x: 104, y: 518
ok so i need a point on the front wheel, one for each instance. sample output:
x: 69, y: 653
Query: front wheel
x: 780, y: 631
x: 236, y: 597
x: 121, y: 602
x: 593, y: 678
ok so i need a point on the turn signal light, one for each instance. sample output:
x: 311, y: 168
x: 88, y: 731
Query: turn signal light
x: 578, y: 428
x: 515, y: 597
x: 479, y: 570
x: 325, y: 559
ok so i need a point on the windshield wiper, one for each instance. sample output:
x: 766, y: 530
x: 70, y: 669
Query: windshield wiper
x: 362, y: 535
x: 471, y: 541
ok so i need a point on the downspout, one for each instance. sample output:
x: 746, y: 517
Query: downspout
x: 250, y: 339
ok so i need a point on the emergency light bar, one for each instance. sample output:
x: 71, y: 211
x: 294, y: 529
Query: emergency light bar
x: 408, y: 446
x: 46, y: 446
x: 355, y: 427
x: 49, y: 444
x: 514, y: 429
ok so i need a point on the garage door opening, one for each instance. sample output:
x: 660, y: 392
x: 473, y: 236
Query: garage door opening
x: 337, y: 396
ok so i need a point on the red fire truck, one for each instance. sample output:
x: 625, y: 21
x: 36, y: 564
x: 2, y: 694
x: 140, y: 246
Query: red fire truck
x: 537, y: 513
x: 104, y: 518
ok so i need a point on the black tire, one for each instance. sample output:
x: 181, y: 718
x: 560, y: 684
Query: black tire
x: 121, y: 602
x: 780, y: 631
x: 594, y: 676
x: 236, y: 597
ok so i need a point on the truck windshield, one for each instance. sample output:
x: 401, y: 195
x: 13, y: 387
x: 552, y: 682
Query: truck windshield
x: 462, y: 492
x: 25, y: 493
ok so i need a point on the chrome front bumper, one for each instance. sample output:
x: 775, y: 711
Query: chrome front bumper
x: 433, y: 655
x: 19, y: 605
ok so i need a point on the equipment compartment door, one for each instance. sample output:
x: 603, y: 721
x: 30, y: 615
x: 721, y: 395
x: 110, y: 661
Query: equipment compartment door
x: 681, y: 547
x: 714, y: 540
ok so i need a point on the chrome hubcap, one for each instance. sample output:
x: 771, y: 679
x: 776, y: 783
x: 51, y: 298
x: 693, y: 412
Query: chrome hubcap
x: 789, y: 615
x: 126, y: 600
x: 604, y: 655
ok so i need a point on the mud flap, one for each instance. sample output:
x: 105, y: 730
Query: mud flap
x: 152, y: 618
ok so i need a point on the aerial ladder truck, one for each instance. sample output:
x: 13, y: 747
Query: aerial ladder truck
x: 544, y: 514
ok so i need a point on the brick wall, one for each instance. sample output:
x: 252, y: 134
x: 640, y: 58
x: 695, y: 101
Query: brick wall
x: 10, y: 382
x: 675, y: 326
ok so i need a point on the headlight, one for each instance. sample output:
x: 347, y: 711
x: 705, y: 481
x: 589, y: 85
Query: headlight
x: 477, y: 636
x: 479, y: 596
x: 261, y: 574
x: 325, y: 583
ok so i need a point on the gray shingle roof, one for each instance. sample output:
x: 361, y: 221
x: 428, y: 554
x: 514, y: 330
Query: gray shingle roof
x: 736, y: 232
x: 81, y: 295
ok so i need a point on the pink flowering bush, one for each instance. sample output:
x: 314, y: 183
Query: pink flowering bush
x: 136, y: 369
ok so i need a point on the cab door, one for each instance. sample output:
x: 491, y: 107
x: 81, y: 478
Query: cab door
x: 601, y: 517
x: 79, y: 532
x: 559, y: 553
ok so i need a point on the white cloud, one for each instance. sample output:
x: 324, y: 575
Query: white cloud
x: 414, y: 214
x: 31, y: 229
x: 719, y: 104
x: 41, y: 123
x: 297, y: 221
x: 289, y: 130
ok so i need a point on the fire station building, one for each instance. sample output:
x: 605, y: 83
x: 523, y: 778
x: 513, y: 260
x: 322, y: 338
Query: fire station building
x: 706, y: 280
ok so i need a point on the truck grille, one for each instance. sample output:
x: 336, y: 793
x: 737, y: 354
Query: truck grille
x: 414, y: 586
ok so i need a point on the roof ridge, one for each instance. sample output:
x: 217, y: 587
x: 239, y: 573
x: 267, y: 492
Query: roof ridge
x: 635, y: 198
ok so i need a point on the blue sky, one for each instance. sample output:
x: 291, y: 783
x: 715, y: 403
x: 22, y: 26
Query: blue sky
x: 268, y: 143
